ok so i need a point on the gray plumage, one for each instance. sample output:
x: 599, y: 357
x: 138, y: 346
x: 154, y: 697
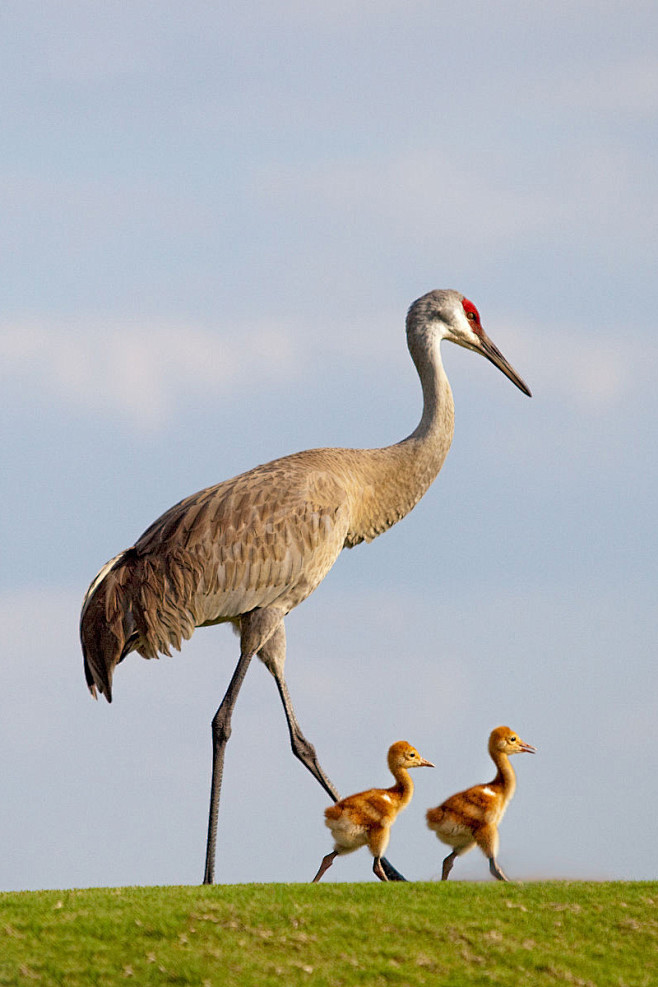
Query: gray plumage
x: 250, y: 549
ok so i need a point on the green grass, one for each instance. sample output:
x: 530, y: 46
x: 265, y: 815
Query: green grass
x: 335, y: 934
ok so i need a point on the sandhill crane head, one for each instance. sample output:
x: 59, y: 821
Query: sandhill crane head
x: 506, y: 740
x: 403, y: 755
x: 453, y: 317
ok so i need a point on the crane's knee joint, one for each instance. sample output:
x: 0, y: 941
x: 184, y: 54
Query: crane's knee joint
x: 302, y: 748
x: 221, y: 730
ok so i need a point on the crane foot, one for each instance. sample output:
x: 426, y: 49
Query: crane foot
x: 391, y: 873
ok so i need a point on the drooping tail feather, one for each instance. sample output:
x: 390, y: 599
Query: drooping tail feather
x: 102, y: 627
x: 136, y: 603
x: 98, y: 673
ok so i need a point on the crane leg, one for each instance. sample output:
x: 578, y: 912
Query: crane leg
x: 302, y: 748
x: 378, y: 870
x: 255, y: 629
x: 325, y: 865
x: 495, y: 870
x: 273, y: 655
x: 221, y: 731
x: 447, y: 865
x: 391, y: 873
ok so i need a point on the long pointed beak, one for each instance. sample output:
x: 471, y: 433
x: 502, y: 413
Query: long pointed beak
x: 493, y: 354
x: 426, y: 764
x: 527, y: 748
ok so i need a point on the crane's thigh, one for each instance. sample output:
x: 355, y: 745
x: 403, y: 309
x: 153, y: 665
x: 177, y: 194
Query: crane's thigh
x: 378, y: 840
x: 487, y: 839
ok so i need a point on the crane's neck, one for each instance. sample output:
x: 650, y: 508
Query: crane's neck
x: 437, y: 420
x: 505, y: 778
x: 403, y: 788
x: 392, y: 480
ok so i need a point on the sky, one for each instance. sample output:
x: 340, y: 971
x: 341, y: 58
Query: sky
x: 215, y: 217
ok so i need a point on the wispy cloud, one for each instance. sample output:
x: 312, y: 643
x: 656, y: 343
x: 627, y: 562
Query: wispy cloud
x: 142, y: 373
x: 587, y: 195
x: 428, y: 191
x: 591, y: 372
x: 139, y: 372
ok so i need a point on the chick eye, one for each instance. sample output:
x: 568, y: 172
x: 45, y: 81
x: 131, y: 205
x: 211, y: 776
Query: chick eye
x: 513, y: 739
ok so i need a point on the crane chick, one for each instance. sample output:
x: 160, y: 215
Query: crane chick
x: 472, y: 817
x: 365, y: 819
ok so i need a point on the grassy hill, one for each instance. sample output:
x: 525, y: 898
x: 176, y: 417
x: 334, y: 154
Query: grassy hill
x: 335, y: 934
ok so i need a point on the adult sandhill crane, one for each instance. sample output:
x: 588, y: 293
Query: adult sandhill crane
x: 365, y: 819
x: 250, y: 549
x: 471, y: 818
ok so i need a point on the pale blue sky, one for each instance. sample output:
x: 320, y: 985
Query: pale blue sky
x: 214, y: 220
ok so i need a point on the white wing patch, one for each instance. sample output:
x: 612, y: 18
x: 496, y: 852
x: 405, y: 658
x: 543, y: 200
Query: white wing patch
x: 99, y: 579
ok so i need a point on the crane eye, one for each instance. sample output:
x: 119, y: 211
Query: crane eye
x: 472, y: 313
x: 513, y: 740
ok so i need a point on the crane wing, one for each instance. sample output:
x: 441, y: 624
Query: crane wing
x: 264, y: 538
